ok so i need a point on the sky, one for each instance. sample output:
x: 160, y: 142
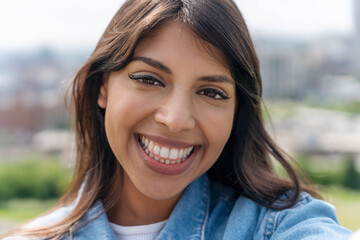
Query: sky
x: 70, y: 24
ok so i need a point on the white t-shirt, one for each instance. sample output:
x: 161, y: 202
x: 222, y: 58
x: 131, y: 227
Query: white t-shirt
x: 141, y: 232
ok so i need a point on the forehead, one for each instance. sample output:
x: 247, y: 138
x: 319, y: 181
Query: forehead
x: 174, y: 40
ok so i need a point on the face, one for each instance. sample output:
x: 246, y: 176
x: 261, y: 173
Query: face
x: 169, y: 112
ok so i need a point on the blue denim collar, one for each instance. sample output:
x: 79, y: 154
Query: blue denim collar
x: 188, y: 219
x: 93, y: 225
x: 193, y: 204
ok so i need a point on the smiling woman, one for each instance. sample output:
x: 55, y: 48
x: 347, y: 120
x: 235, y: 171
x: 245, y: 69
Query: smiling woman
x: 170, y: 138
x: 168, y: 115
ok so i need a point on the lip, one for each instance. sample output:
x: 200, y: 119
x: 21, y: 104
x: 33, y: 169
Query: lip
x: 162, y: 168
x: 168, y: 142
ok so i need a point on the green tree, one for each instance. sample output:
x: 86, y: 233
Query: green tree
x: 351, y: 177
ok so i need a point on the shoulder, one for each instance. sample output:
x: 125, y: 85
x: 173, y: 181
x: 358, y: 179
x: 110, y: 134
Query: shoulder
x: 309, y: 218
x: 232, y: 215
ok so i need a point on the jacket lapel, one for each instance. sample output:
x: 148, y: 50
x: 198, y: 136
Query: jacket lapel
x: 188, y: 219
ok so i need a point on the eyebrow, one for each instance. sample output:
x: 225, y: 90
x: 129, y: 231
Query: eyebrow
x: 217, y: 79
x: 153, y: 63
x: 164, y: 68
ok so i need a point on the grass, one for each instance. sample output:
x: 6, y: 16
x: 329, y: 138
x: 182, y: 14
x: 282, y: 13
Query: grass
x: 24, y: 209
x: 347, y: 203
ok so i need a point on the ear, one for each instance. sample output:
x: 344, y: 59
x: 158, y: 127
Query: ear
x: 102, y: 98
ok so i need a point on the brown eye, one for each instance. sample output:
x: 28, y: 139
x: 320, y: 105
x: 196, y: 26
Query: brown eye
x: 213, y: 93
x: 146, y: 79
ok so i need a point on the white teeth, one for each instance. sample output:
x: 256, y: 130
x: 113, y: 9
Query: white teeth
x: 181, y: 152
x: 173, y: 154
x: 156, y: 150
x: 186, y: 152
x: 151, y: 146
x: 189, y: 150
x: 164, y: 152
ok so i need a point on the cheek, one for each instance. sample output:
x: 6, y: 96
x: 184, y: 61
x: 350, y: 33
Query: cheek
x: 216, y: 126
x: 124, y: 111
x: 220, y: 133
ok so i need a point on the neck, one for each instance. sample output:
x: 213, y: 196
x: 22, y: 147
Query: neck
x: 134, y: 208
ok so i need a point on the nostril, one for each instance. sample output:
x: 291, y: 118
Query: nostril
x: 175, y: 119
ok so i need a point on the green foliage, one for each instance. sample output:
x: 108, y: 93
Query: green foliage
x: 324, y: 173
x: 24, y: 209
x: 33, y: 178
x: 351, y: 178
x: 343, y: 106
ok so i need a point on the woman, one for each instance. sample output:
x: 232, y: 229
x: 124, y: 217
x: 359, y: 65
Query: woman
x: 170, y: 137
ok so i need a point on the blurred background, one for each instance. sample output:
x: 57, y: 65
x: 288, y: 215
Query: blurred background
x: 310, y: 61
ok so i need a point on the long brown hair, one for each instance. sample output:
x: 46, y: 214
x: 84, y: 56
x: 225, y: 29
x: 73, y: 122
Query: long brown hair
x: 246, y: 161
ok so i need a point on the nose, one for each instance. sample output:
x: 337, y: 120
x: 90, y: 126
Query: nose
x: 176, y: 112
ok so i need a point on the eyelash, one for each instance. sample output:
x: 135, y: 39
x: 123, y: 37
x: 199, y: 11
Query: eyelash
x: 146, y: 79
x: 150, y: 80
x: 208, y: 91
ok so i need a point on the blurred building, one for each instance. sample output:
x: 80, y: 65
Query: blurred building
x: 300, y: 70
x: 356, y: 66
x: 32, y: 93
x: 292, y: 69
x: 284, y: 69
x: 295, y: 70
x: 356, y: 5
x: 318, y: 131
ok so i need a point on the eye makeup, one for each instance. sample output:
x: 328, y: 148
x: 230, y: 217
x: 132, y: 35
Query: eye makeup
x: 214, y: 94
x: 146, y: 79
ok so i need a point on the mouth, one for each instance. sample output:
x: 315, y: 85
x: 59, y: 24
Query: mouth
x: 164, y: 154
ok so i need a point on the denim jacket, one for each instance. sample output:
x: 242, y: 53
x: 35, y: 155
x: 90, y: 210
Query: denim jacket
x: 209, y: 210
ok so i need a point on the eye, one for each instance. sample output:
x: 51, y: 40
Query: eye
x: 213, y: 93
x: 146, y: 79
